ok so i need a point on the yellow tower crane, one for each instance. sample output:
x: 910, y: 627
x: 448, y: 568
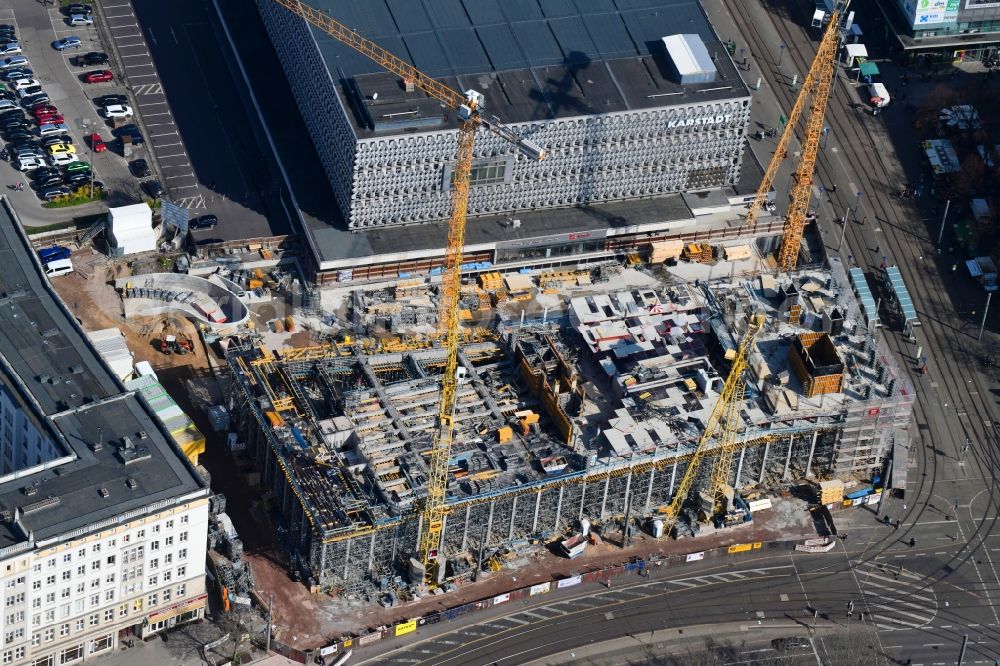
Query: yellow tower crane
x: 816, y: 86
x: 723, y: 424
x: 469, y: 109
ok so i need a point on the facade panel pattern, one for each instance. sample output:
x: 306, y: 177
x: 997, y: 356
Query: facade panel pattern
x: 404, y: 179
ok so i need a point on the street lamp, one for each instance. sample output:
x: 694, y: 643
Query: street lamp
x: 826, y: 131
x: 781, y: 54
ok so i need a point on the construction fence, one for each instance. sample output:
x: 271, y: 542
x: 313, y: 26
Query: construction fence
x: 634, y: 567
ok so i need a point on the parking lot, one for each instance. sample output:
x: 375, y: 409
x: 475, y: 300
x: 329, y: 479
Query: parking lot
x: 37, y: 28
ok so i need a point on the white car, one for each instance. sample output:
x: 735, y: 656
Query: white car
x: 80, y: 19
x: 62, y: 159
x: 13, y: 61
x: 21, y: 84
x: 29, y: 162
x: 13, y: 48
x: 118, y: 111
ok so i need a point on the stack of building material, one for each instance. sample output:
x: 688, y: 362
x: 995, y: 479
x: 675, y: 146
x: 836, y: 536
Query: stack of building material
x: 831, y: 491
x: 665, y: 250
x: 111, y: 345
x: 490, y: 281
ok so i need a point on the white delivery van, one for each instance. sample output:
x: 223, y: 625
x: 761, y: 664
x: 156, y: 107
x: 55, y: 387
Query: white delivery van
x: 59, y: 267
x: 878, y: 95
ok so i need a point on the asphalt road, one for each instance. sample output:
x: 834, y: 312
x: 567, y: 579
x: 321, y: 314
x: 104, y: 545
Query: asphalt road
x: 920, y: 601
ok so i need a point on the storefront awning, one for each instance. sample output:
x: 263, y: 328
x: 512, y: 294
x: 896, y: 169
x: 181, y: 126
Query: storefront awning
x: 179, y: 609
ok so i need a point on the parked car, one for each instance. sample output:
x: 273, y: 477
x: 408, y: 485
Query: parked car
x: 47, y: 254
x: 78, y: 167
x: 13, y: 48
x: 79, y: 8
x: 18, y: 135
x: 62, y: 149
x: 80, y: 20
x: 50, y: 119
x: 53, y: 193
x: 56, y: 138
x: 29, y: 164
x: 204, y: 222
x: 139, y: 168
x: 118, y: 111
x: 7, y: 27
x: 43, y: 108
x: 46, y: 181
x: 66, y: 43
x: 13, y: 61
x: 30, y: 91
x: 7, y: 104
x: 49, y: 129
x: 153, y: 188
x: 112, y: 99
x: 43, y: 171
x: 790, y: 643
x: 21, y: 84
x: 91, y: 59
x: 35, y: 100
x: 63, y: 159
x: 97, y: 143
x: 15, y: 73
x: 100, y: 76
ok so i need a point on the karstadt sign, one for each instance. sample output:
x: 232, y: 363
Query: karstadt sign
x: 703, y: 120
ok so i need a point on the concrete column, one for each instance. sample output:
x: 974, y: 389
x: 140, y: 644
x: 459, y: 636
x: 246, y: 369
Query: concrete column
x: 371, y: 554
x: 628, y: 489
x: 489, y: 522
x: 534, y: 521
x: 320, y: 573
x: 420, y: 529
x: 649, y: 491
x: 559, y: 508
x: 444, y: 528
x: 604, y: 499
x: 812, y: 450
x: 673, y: 478
x: 465, y: 530
x: 347, y: 558
x: 788, y: 458
x: 583, y: 500
x: 739, y: 468
x: 513, y: 513
x: 763, y: 461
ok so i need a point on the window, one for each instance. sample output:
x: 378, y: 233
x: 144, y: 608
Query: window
x: 14, y: 600
x: 95, y: 565
x: 71, y: 654
x: 36, y: 584
x: 95, y: 599
x: 81, y: 588
x: 94, y: 619
x: 181, y: 572
x: 111, y: 559
x: 109, y: 615
x: 123, y: 610
x: 169, y: 541
x: 64, y: 611
x: 95, y: 583
x: 36, y: 639
x: 154, y: 563
x: 19, y: 652
x: 181, y: 589
x: 50, y: 616
x: 14, y: 618
x: 14, y: 635
x: 166, y: 577
x: 166, y: 595
x: 64, y: 630
x: 65, y: 593
x: 81, y: 570
x: 168, y: 558
x: 184, y: 536
x: 79, y: 605
x: 68, y: 557
x: 152, y: 581
x: 141, y: 534
x: 154, y: 545
x: 184, y: 519
x: 110, y: 578
x: 182, y: 553
x: 36, y: 567
x: 170, y: 525
x: 81, y: 553
x: 100, y: 644
x: 51, y: 563
x: 96, y: 548
x: 8, y: 656
x: 137, y: 605
x: 156, y: 529
x: 66, y: 574
x: 80, y: 624
x: 36, y: 620
x: 50, y: 597
x: 153, y: 599
x: 50, y: 580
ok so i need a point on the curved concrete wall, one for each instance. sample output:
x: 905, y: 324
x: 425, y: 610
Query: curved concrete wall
x: 198, y: 299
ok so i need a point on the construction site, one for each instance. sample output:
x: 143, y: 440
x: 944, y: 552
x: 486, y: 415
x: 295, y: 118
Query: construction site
x: 458, y: 415
x: 592, y: 417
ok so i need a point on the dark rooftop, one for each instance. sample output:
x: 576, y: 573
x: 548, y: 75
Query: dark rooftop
x: 532, y: 59
x: 115, y: 456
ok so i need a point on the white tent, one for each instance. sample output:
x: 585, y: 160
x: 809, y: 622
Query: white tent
x: 130, y: 229
x: 853, y: 52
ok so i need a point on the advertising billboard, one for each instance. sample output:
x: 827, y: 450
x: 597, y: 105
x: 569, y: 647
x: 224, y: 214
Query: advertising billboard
x: 932, y: 12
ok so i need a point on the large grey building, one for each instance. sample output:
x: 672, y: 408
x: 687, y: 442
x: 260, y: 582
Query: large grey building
x: 590, y: 81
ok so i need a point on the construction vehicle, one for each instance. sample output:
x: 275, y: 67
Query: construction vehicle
x: 170, y: 344
x: 723, y: 425
x: 816, y: 86
x: 469, y: 108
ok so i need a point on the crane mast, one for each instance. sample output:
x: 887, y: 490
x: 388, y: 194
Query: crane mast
x: 816, y: 87
x: 468, y: 107
x: 723, y: 422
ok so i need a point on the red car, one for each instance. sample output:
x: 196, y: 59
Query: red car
x: 97, y: 143
x: 50, y: 119
x: 44, y: 109
x: 100, y: 76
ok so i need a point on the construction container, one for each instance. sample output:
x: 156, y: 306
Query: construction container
x: 689, y: 59
x: 505, y: 435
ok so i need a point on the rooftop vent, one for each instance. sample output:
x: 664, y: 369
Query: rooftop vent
x: 30, y: 490
x: 131, y: 483
x: 103, y: 492
x: 50, y: 501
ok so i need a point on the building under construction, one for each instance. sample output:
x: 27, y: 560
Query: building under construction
x: 595, y: 416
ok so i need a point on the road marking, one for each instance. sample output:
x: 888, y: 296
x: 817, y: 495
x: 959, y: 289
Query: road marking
x: 172, y: 34
x: 152, y: 37
x: 896, y: 609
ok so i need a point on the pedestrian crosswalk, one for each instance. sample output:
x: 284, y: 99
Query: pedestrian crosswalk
x: 896, y: 598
